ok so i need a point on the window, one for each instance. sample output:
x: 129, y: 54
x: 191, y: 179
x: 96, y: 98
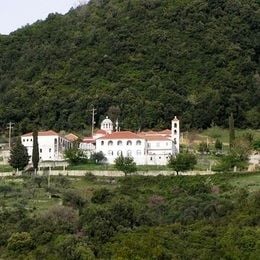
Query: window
x: 166, y: 143
x: 151, y: 158
x: 110, y: 143
x: 31, y: 140
x: 129, y: 142
x: 50, y: 150
x: 174, y: 141
x: 23, y: 140
x: 119, y: 143
x: 138, y: 142
x: 102, y: 142
x: 119, y: 153
x: 175, y: 132
x: 138, y: 152
x: 110, y: 152
x: 175, y: 125
x: 40, y: 150
x: 27, y: 140
x: 129, y: 153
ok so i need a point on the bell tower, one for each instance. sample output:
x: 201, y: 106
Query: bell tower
x: 176, y: 133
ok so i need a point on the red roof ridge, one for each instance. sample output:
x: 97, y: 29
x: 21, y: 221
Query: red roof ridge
x: 43, y: 133
x: 122, y: 135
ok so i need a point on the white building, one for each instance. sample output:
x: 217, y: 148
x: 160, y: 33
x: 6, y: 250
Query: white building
x: 51, y: 145
x: 146, y: 148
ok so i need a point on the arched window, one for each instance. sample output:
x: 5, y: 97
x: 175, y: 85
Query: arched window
x: 129, y: 153
x: 174, y: 141
x: 110, y: 152
x: 119, y: 143
x: 138, y: 142
x: 102, y: 142
x: 129, y: 142
x: 110, y: 142
x: 119, y: 153
x: 175, y: 132
x: 175, y: 125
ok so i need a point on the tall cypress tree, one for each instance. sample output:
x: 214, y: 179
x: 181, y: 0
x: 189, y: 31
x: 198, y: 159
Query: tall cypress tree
x: 35, y: 151
x: 231, y: 130
x: 19, y: 157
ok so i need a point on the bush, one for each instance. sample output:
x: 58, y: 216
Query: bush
x: 20, y: 242
x: 74, y: 199
x: 101, y: 196
x: 89, y: 176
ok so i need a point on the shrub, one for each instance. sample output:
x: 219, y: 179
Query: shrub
x: 20, y: 242
x: 101, y: 196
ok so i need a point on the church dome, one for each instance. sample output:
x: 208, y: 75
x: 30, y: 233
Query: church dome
x: 107, y: 125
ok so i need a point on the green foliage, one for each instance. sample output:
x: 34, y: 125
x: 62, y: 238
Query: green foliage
x: 75, y: 156
x: 98, y: 157
x: 231, y: 130
x: 69, y: 247
x: 182, y: 162
x: 147, y: 60
x: 101, y: 196
x: 125, y: 164
x: 162, y: 217
x: 20, y: 242
x: 74, y: 199
x: 256, y: 144
x: 35, y: 151
x: 19, y: 157
x: 237, y: 157
x: 5, y: 189
x: 218, y: 145
x: 203, y: 148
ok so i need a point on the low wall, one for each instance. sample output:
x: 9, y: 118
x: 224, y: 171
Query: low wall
x: 108, y: 173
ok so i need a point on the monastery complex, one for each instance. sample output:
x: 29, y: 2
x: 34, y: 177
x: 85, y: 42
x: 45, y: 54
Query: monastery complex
x: 146, y: 148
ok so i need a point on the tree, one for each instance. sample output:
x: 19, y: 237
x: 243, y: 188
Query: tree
x: 75, y: 155
x: 218, y: 145
x: 237, y: 156
x: 182, y: 162
x: 203, y: 148
x: 19, y: 157
x: 125, y: 164
x: 35, y: 151
x: 98, y: 157
x: 231, y: 130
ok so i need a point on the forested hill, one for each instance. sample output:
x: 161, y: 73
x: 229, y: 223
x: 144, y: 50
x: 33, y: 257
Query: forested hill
x: 147, y: 59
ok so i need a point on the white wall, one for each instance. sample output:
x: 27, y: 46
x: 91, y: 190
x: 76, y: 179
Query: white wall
x: 112, y: 149
x: 159, y: 151
x: 51, y: 148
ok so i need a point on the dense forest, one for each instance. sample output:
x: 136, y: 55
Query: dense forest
x: 200, y: 217
x: 143, y: 61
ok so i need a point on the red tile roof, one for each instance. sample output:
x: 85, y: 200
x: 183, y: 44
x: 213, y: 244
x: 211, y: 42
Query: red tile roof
x: 122, y: 135
x: 71, y: 137
x: 43, y: 133
x: 100, y: 131
x: 157, y: 138
x: 166, y: 131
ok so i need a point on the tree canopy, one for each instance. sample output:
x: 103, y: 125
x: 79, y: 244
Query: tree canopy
x: 166, y: 57
x: 19, y: 157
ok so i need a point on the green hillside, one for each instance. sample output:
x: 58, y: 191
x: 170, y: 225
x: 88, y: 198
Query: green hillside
x: 142, y: 60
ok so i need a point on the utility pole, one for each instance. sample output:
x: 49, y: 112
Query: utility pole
x: 93, y: 119
x: 10, y: 127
